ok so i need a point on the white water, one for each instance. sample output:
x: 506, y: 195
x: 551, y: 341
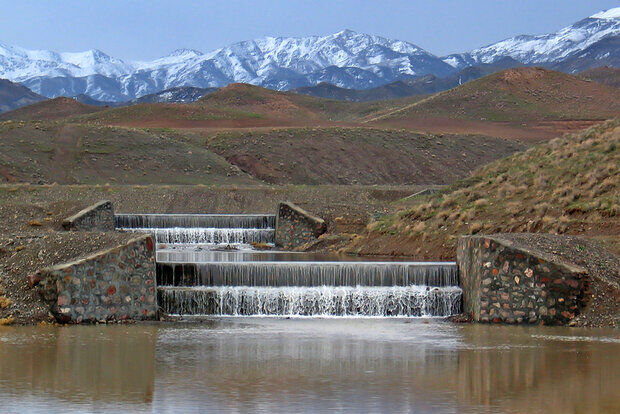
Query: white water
x: 182, y: 235
x: 279, y: 273
x: 384, y: 301
x: 247, y: 221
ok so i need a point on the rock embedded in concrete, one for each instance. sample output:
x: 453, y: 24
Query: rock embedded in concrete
x: 99, y: 216
x: 296, y: 227
x: 504, y: 281
x: 113, y: 284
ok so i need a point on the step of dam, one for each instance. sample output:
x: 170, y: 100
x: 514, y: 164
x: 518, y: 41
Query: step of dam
x: 352, y: 301
x: 201, y: 228
x: 226, y: 221
x: 182, y: 235
x: 308, y: 274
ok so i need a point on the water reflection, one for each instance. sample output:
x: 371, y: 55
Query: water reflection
x: 78, y: 365
x: 272, y: 364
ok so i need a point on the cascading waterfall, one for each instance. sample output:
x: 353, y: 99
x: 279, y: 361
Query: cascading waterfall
x: 312, y: 301
x: 195, y: 281
x: 201, y: 228
x: 228, y: 221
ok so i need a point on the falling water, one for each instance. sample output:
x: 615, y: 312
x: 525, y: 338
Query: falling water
x: 248, y: 221
x: 278, y: 274
x: 312, y: 301
x: 201, y: 228
x: 182, y: 235
x: 192, y: 282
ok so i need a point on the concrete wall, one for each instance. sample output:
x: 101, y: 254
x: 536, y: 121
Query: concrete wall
x: 99, y: 216
x: 506, y: 282
x: 113, y: 284
x: 295, y: 226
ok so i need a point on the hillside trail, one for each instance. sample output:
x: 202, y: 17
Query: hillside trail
x: 400, y: 109
x: 66, y: 140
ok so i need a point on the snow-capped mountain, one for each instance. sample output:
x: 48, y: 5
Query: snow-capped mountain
x: 346, y: 59
x: 547, y: 48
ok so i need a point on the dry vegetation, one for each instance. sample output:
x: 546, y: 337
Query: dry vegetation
x: 570, y: 185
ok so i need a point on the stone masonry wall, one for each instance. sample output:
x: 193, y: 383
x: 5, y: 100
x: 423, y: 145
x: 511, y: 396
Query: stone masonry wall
x: 99, y: 216
x: 295, y: 226
x: 113, y: 284
x: 503, y: 282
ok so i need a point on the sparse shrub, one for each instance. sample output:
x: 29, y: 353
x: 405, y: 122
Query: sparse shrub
x: 541, y: 208
x: 540, y: 181
x: 475, y: 227
x: 521, y: 189
x: 547, y: 220
x: 7, y: 321
x: 5, y: 302
x: 481, y: 202
x: 419, y: 227
x: 448, y: 201
x: 443, y: 215
x: 465, y: 217
x: 514, y: 208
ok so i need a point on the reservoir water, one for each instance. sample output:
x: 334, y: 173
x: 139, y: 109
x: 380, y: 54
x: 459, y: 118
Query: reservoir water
x: 275, y: 364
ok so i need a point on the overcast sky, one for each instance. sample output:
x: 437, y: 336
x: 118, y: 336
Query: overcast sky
x: 141, y: 30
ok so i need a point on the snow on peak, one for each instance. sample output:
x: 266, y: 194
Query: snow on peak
x: 608, y: 14
x: 185, y: 52
x: 552, y: 47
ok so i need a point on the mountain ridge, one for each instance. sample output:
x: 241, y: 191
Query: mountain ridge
x: 346, y: 59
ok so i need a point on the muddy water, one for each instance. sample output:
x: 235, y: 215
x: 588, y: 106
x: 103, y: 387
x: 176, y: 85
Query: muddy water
x: 309, y: 365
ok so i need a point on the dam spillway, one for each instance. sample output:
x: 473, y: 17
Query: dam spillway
x: 311, y: 274
x: 201, y: 228
x: 256, y: 221
x: 199, y: 273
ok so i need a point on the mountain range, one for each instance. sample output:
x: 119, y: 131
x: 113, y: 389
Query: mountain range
x: 345, y: 59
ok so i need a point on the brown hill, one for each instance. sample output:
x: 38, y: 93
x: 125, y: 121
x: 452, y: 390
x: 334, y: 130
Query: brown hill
x: 50, y: 109
x: 605, y: 74
x: 287, y: 105
x: 569, y: 185
x: 515, y: 95
x: 236, y: 106
x: 13, y: 96
x: 48, y: 152
x: 357, y: 155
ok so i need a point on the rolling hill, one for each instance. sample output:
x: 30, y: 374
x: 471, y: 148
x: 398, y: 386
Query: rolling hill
x: 420, y: 85
x: 237, y: 105
x: 357, y: 155
x: 515, y: 95
x: 48, y: 152
x: 605, y: 74
x: 13, y: 96
x: 49, y: 109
